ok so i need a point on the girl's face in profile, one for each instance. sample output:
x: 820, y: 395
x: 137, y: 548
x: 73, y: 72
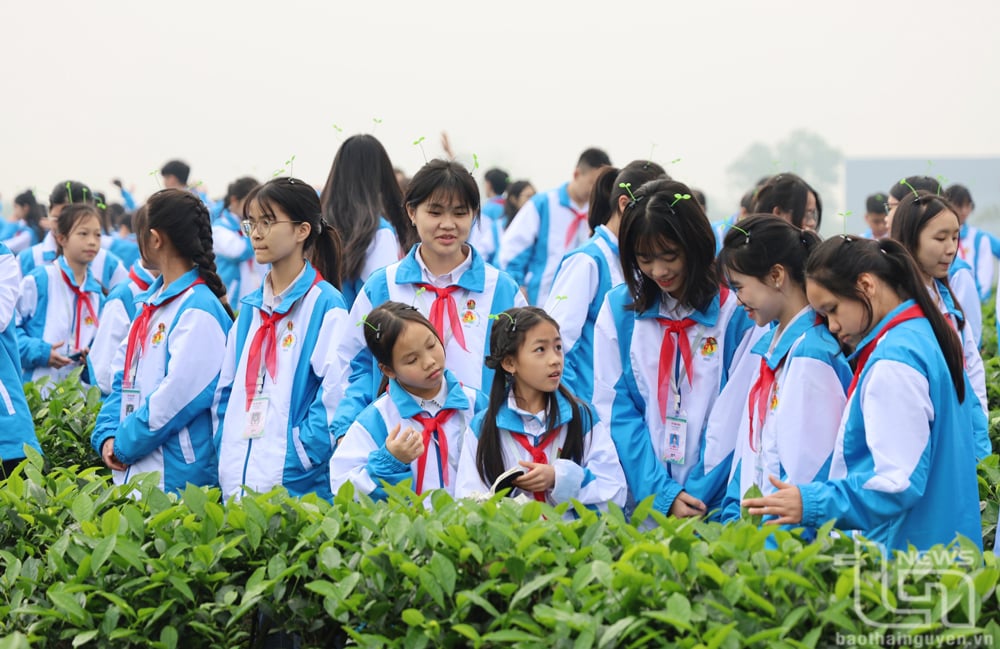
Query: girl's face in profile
x: 846, y: 318
x: 664, y: 263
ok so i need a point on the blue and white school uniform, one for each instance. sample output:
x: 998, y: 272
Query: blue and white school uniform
x: 493, y: 208
x: 291, y: 446
x: 50, y: 310
x: 160, y: 412
x: 801, y: 415
x: 661, y: 442
x: 478, y: 291
x: 963, y: 291
x: 20, y: 237
x: 903, y: 469
x: 126, y: 249
x: 382, y: 251
x: 974, y: 247
x: 106, y: 267
x: 363, y: 459
x: 543, y: 231
x: 116, y: 318
x: 975, y: 373
x: 595, y: 481
x: 583, y: 279
x: 17, y: 427
x: 720, y: 228
x: 234, y: 257
x: 485, y: 237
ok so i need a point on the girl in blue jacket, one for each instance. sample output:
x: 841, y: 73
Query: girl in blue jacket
x: 158, y: 416
x: 416, y: 428
x: 666, y: 343
x: 788, y: 422
x: 60, y: 303
x: 281, y: 380
x: 586, y: 274
x: 904, y: 468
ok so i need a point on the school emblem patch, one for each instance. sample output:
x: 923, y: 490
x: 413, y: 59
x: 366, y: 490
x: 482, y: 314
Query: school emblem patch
x: 161, y: 333
x: 289, y: 338
x: 709, y: 347
x: 469, y: 316
x: 89, y: 321
x: 774, y: 398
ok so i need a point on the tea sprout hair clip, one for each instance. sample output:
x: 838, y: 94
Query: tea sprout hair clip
x: 376, y: 329
x: 677, y: 199
x: 912, y: 188
x: 628, y: 188
x: 745, y: 233
x: 513, y: 320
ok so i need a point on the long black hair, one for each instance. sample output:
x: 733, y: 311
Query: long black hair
x: 837, y: 263
x: 361, y: 188
x: 506, y: 338
x: 911, y: 217
x: 298, y: 200
x: 657, y: 214
x: 183, y: 218
x: 788, y: 193
x: 761, y: 241
x: 34, y: 214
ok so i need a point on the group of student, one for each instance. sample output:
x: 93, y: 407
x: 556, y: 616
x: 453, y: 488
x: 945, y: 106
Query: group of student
x: 619, y: 350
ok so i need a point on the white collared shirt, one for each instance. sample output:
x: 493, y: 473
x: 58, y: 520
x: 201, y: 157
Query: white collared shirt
x: 435, y: 404
x: 448, y: 279
x: 270, y: 301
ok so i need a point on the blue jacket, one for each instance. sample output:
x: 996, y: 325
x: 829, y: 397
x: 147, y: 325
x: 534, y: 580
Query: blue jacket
x: 17, y: 427
x: 170, y: 432
x: 923, y: 490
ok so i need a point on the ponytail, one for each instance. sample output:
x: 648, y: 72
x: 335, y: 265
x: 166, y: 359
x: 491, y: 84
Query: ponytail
x: 836, y: 264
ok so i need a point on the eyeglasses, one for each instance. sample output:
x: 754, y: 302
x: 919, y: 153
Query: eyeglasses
x: 263, y: 227
x: 889, y: 207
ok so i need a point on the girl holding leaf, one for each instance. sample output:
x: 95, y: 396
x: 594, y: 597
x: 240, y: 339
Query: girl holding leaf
x: 790, y: 417
x: 903, y: 470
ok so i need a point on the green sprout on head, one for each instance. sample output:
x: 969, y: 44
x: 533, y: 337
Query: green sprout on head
x: 291, y: 165
x: 912, y: 188
x: 376, y: 121
x: 475, y: 162
x: 155, y: 174
x: 560, y: 298
x: 277, y: 172
x: 421, y: 290
x: 628, y: 188
x: 101, y: 205
x: 941, y: 182
x: 844, y: 216
x: 675, y: 161
x: 84, y: 195
x: 69, y: 190
x: 680, y: 197
x: 420, y: 143
x: 337, y: 128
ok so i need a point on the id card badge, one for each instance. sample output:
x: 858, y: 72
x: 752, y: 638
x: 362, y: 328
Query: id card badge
x: 256, y: 417
x: 676, y: 439
x: 758, y: 474
x: 131, y: 399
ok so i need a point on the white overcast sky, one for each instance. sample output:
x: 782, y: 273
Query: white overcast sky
x: 93, y: 90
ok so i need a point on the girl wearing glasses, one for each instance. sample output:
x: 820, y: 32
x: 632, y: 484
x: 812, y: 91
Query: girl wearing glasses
x: 903, y: 470
x: 158, y: 416
x: 443, y: 277
x: 280, y: 378
x: 788, y: 196
x: 790, y: 417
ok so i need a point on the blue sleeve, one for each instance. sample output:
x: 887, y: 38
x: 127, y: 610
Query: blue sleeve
x: 361, y: 391
x: 994, y: 243
x: 109, y: 415
x: 135, y: 439
x: 644, y: 472
x: 854, y: 506
x: 26, y: 261
x: 731, y: 510
x: 314, y: 432
x: 384, y: 467
x: 128, y: 199
x: 34, y: 352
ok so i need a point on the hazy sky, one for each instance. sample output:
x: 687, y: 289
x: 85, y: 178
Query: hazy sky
x: 94, y: 90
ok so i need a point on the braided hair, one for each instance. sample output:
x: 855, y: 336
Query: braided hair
x: 184, y: 219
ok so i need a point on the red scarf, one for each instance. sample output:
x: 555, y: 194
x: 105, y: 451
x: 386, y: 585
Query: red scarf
x: 140, y: 329
x: 82, y: 300
x: 444, y: 301
x: 668, y: 351
x: 537, y: 453
x: 433, y: 429
x: 574, y: 226
x: 140, y: 282
x: 910, y: 313
x: 760, y: 394
x: 265, y: 342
